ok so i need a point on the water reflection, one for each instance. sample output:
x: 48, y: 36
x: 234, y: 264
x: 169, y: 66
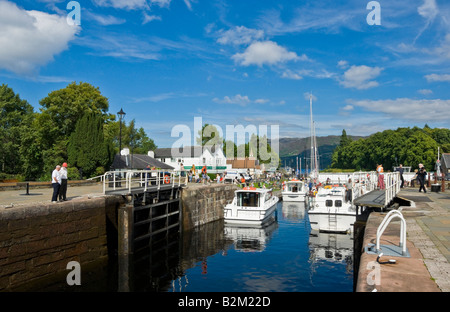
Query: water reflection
x: 284, y: 255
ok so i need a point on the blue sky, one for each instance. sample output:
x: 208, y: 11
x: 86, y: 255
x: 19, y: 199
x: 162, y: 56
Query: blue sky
x: 236, y: 62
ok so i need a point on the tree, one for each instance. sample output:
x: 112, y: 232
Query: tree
x: 136, y: 139
x: 209, y: 135
x: 15, y: 118
x: 87, y: 148
x: 60, y: 112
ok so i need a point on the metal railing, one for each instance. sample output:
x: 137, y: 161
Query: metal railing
x: 144, y: 179
x: 363, y: 182
x: 391, y: 215
x: 392, y: 184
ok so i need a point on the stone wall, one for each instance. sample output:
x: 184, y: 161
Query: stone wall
x: 39, y: 240
x: 202, y: 204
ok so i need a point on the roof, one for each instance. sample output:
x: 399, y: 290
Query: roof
x: 445, y: 160
x: 137, y: 161
x: 191, y: 151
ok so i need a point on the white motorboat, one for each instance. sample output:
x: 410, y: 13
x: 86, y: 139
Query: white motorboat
x: 330, y: 212
x: 250, y: 206
x: 294, y: 191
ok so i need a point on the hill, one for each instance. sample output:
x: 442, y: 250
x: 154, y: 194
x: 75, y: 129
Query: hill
x: 291, y: 148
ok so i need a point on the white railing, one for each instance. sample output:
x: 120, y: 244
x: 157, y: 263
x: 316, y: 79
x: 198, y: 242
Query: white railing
x: 392, y: 214
x: 363, y: 182
x: 392, y: 184
x: 132, y: 179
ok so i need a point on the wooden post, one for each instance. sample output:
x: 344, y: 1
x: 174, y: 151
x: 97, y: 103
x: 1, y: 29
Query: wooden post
x: 125, y: 229
x: 443, y: 183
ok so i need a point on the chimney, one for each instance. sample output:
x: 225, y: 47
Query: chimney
x: 151, y: 154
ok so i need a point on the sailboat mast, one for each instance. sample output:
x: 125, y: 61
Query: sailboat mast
x: 313, y: 166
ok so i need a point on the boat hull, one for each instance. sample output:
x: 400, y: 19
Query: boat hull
x: 249, y: 216
x: 291, y: 197
x: 334, y: 223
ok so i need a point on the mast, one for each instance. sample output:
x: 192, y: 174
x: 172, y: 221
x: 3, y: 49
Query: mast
x: 314, y: 169
x: 311, y: 135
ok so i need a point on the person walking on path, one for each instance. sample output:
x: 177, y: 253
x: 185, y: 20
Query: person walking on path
x: 421, y: 176
x: 56, y: 183
x: 63, y: 188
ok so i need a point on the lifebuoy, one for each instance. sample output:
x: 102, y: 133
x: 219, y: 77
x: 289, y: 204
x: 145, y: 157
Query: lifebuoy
x: 166, y: 179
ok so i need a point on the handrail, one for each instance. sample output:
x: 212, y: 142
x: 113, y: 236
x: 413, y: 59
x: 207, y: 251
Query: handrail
x: 144, y: 178
x: 387, y: 219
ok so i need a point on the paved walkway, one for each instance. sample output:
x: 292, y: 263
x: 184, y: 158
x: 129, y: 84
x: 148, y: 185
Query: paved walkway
x: 428, y: 228
x: 428, y: 240
x: 44, y: 195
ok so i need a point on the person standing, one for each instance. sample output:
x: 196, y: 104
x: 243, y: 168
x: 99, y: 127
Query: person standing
x: 421, y: 176
x: 400, y: 170
x: 56, y: 183
x: 63, y: 188
x: 380, y: 171
x: 348, y: 193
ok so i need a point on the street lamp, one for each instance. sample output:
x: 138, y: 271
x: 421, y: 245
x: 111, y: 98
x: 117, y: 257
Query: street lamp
x: 121, y: 115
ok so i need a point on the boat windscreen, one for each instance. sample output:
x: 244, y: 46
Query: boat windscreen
x: 248, y: 199
x: 295, y: 187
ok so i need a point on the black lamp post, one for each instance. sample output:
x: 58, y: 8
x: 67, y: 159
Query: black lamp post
x: 121, y: 115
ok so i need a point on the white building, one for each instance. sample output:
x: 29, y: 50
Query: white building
x: 210, y: 156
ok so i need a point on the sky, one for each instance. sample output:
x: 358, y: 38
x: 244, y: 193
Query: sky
x: 369, y: 65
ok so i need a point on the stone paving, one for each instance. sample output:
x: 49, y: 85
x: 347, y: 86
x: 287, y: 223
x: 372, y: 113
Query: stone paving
x: 428, y: 228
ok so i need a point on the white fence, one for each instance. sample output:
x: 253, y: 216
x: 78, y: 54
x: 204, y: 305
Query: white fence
x: 144, y: 179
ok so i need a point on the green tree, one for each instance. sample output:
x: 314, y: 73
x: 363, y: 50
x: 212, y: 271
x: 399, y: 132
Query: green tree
x: 209, y: 135
x: 60, y: 112
x: 136, y: 139
x: 15, y: 118
x: 87, y: 148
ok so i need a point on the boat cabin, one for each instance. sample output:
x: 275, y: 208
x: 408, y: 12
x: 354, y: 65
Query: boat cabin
x: 252, y: 197
x: 294, y: 186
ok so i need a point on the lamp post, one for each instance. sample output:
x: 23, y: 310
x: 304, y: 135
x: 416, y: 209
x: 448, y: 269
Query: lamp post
x: 121, y: 114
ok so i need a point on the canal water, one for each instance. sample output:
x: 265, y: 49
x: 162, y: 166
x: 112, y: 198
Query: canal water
x: 284, y: 256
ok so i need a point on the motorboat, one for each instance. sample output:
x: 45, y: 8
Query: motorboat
x: 330, y: 212
x: 250, y: 205
x: 294, y: 191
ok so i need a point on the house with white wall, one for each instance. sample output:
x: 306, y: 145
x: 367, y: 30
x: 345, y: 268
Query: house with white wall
x: 212, y: 157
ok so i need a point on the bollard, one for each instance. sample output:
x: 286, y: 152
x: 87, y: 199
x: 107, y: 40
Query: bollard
x: 443, y: 182
x: 28, y: 188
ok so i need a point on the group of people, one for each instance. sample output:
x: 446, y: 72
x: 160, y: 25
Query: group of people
x: 193, y: 175
x: 59, y: 183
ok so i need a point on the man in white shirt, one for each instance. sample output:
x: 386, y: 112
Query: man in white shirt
x: 56, y: 183
x: 63, y: 189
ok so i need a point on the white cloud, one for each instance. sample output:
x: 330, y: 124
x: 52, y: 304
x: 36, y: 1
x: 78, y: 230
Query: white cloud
x: 436, y: 77
x: 149, y: 18
x: 265, y: 52
x: 132, y: 4
x: 361, y: 77
x: 31, y: 39
x: 288, y: 74
x: 104, y: 20
x: 429, y: 11
x: 240, y: 35
x: 242, y: 100
x: 343, y: 64
x: 404, y: 108
x: 425, y: 91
